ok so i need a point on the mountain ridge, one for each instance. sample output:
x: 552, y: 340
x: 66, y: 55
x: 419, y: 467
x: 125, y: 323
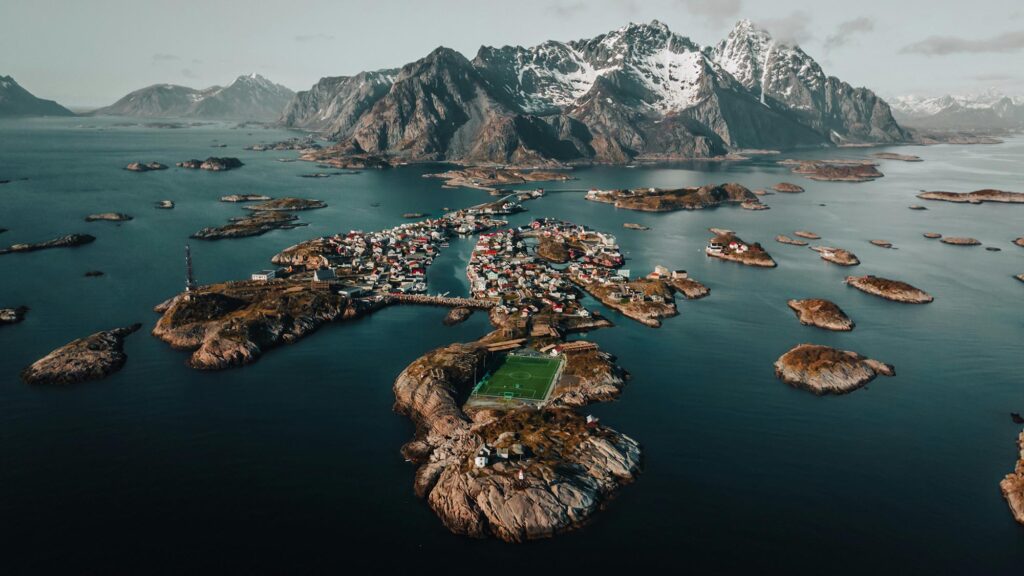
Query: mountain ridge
x: 15, y: 101
x: 641, y: 91
x: 248, y: 97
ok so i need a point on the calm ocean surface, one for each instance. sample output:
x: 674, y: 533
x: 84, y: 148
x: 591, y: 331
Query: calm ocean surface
x: 292, y: 464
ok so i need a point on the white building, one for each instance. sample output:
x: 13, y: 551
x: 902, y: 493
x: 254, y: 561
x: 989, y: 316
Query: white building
x: 264, y: 275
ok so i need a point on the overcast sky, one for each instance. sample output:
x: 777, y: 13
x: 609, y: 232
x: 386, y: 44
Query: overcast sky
x: 91, y: 52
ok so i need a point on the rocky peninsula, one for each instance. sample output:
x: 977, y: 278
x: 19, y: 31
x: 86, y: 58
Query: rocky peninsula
x: 89, y: 358
x: 12, y: 315
x: 66, y: 241
x: 212, y: 164
x: 976, y: 197
x: 822, y: 314
x: 824, y: 370
x: 668, y: 200
x: 108, y: 217
x: 145, y: 166
x: 835, y: 170
x: 889, y: 289
x: 645, y: 300
x: 836, y: 255
x: 233, y: 323
x: 727, y: 246
x: 960, y: 241
x: 1013, y: 485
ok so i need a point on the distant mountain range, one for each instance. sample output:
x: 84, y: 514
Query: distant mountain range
x: 990, y: 110
x: 638, y: 92
x: 16, y: 101
x: 250, y: 97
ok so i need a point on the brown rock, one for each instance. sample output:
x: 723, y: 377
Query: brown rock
x: 836, y: 255
x: 976, y: 197
x: 783, y: 239
x: 821, y: 313
x: 932, y: 235
x: 1013, y: 485
x: 89, y: 358
x: 889, y: 289
x: 806, y: 234
x: 824, y: 370
x: 788, y: 188
x: 882, y: 243
x: 960, y: 241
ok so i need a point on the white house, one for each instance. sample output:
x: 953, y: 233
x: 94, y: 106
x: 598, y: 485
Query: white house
x: 264, y: 275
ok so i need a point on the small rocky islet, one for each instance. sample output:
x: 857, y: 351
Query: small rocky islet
x: 1012, y: 485
x: 783, y: 239
x: 824, y: 370
x: 108, y: 217
x: 89, y: 358
x: 145, y: 167
x: 836, y: 255
x: 726, y: 245
x: 894, y: 290
x: 822, y: 314
x: 835, y: 170
x: 960, y: 241
x: 788, y: 187
x: 12, y: 315
x: 235, y: 198
x: 895, y: 156
x: 211, y: 164
x: 164, y: 204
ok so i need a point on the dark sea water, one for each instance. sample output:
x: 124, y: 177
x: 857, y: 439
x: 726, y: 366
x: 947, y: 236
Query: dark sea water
x: 292, y: 465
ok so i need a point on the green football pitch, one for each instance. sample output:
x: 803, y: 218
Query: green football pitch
x: 521, y: 377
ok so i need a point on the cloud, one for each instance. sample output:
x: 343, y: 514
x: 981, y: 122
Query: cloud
x: 313, y: 37
x: 994, y: 77
x: 567, y: 9
x: 943, y: 45
x: 715, y: 11
x: 160, y: 57
x: 847, y: 30
x: 792, y: 29
x: 188, y: 73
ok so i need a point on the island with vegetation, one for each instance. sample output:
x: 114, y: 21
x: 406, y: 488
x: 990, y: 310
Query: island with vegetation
x: 835, y: 170
x: 668, y: 200
x: 822, y: 314
x: 727, y: 246
x: 836, y: 255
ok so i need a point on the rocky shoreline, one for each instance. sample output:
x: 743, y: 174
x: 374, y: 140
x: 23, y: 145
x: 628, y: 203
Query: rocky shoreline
x: 822, y: 314
x: 89, y: 358
x: 824, y: 370
x: 1012, y: 485
x: 889, y: 289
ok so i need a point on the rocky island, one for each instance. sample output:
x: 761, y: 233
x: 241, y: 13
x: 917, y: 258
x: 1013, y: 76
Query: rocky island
x: 345, y: 156
x: 881, y: 243
x: 788, y: 188
x: 252, y: 225
x: 634, y: 226
x: 108, y: 217
x: 806, y: 234
x: 12, y: 315
x: 66, y: 241
x: 287, y: 205
x: 895, y: 156
x: 145, y: 166
x: 1013, y: 485
x: 960, y: 241
x: 822, y: 314
x: 976, y: 197
x: 835, y: 170
x: 889, y: 289
x: 485, y: 178
x: 164, y: 204
x: 727, y: 246
x: 932, y: 235
x: 836, y: 255
x: 824, y: 370
x: 668, y: 200
x: 213, y: 164
x: 783, y: 239
x: 1019, y: 241
x: 245, y: 198
x: 89, y: 358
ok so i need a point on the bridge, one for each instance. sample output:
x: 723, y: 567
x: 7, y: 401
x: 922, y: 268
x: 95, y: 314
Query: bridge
x: 448, y: 301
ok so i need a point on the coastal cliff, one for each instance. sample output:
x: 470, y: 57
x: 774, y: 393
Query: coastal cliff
x: 1013, y: 485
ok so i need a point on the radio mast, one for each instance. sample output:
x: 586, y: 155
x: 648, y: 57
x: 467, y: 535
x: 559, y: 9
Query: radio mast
x: 190, y: 281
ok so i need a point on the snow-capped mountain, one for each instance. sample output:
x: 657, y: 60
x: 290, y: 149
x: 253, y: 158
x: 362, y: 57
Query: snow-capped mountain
x: 638, y: 91
x: 16, y: 101
x: 989, y: 110
x: 250, y: 97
